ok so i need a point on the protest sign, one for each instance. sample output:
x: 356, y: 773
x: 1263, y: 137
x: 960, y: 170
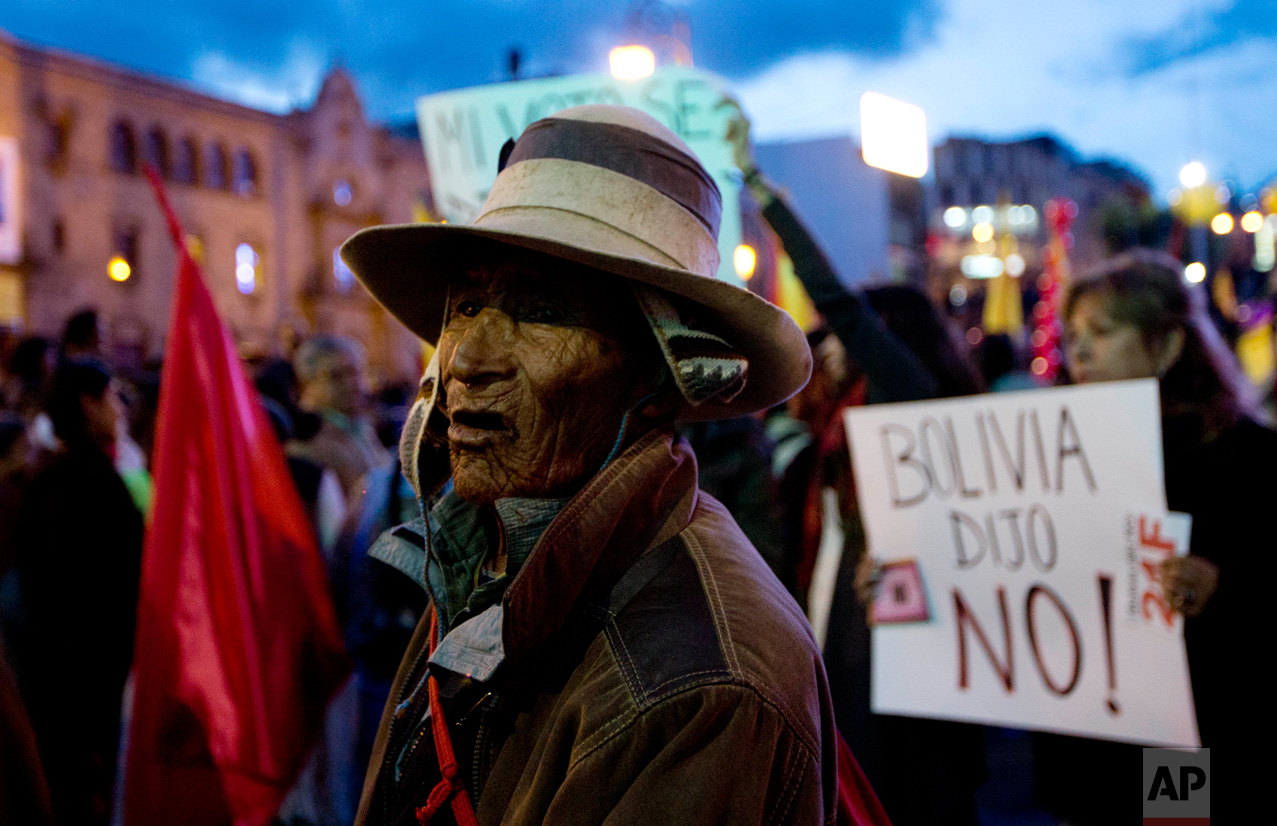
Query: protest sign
x: 464, y: 130
x: 1035, y: 523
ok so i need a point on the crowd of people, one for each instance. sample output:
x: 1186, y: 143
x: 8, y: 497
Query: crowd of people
x: 75, y: 436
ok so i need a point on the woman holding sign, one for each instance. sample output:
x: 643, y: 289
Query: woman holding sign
x: 1135, y: 318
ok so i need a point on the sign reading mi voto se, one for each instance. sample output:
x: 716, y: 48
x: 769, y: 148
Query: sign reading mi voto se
x: 464, y: 130
x: 1028, y: 530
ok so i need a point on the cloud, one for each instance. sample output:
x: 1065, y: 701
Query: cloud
x: 278, y: 88
x: 991, y: 69
x: 1212, y: 26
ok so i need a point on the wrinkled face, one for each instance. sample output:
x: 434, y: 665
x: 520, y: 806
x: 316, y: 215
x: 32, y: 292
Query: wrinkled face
x: 1100, y: 348
x: 540, y: 360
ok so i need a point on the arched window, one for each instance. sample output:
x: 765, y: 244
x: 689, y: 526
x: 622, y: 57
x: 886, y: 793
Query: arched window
x: 186, y: 162
x: 245, y: 173
x: 123, y: 148
x: 156, y: 153
x: 217, y: 170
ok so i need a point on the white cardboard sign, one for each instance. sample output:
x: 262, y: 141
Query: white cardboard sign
x: 1035, y: 522
x: 464, y: 130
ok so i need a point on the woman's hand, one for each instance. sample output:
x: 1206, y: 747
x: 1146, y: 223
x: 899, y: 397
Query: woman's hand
x: 868, y: 575
x: 738, y: 134
x: 1188, y: 582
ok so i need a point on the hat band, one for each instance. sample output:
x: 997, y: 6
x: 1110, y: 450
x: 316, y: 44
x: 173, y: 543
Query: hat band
x: 629, y: 152
x: 606, y: 197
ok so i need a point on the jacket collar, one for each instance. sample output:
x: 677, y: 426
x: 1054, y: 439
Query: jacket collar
x: 642, y: 498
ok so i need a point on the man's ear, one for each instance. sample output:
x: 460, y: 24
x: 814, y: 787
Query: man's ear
x: 1171, y: 350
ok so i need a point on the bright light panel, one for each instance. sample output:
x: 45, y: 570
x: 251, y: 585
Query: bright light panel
x: 631, y: 62
x: 893, y: 135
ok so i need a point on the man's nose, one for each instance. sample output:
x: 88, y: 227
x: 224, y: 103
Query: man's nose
x: 482, y: 354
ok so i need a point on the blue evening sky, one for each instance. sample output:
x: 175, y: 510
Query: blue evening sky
x: 1154, y: 83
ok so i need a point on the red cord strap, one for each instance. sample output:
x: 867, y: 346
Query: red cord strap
x: 451, y: 789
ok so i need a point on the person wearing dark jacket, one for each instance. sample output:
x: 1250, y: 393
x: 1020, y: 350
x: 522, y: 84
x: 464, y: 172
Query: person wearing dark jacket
x: 895, y: 347
x: 1137, y: 317
x: 603, y: 645
x: 79, y: 561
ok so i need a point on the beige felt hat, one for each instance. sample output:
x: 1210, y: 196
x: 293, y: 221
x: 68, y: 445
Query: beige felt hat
x: 612, y: 188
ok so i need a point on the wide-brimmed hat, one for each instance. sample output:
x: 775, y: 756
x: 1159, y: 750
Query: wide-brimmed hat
x: 611, y: 188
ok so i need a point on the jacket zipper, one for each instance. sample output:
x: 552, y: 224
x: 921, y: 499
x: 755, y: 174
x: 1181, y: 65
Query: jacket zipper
x: 386, y: 774
x: 480, y: 745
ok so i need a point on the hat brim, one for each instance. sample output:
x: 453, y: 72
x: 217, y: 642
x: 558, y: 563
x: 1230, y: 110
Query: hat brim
x: 407, y: 267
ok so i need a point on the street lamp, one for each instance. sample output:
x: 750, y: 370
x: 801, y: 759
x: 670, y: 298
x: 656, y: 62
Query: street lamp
x: 118, y: 269
x: 631, y: 62
x: 1193, y: 174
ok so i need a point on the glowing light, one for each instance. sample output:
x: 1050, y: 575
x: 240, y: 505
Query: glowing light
x: 1195, y: 273
x: 974, y: 336
x: 955, y: 217
x: 344, y: 277
x: 958, y: 295
x: 1266, y: 245
x: 1039, y: 338
x: 343, y: 193
x: 982, y: 232
x: 1222, y: 194
x: 986, y: 247
x: 893, y: 135
x: 1222, y: 224
x: 1252, y: 221
x: 1193, y: 174
x: 982, y: 215
x: 631, y: 62
x: 1174, y: 197
x: 745, y: 260
x: 195, y: 246
x: 118, y: 269
x: 1015, y: 265
x: 981, y: 266
x: 1039, y: 366
x: 246, y: 261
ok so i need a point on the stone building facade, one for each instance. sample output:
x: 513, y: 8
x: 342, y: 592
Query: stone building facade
x: 265, y: 199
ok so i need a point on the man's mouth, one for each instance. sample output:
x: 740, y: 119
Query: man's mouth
x: 474, y: 428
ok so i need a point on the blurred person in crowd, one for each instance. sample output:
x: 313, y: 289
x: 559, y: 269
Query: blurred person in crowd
x: 82, y: 335
x: 16, y: 456
x: 378, y: 606
x: 1137, y: 317
x: 887, y: 344
x: 330, y: 372
x: 26, y: 382
x: 734, y: 464
x: 24, y: 792
x: 603, y: 644
x: 317, y: 486
x: 79, y: 550
x: 1003, y: 364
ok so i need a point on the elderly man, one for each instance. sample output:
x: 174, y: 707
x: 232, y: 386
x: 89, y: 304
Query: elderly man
x: 603, y: 644
x: 330, y: 372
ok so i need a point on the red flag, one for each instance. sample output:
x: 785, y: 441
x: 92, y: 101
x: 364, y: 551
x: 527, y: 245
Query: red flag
x: 238, y: 649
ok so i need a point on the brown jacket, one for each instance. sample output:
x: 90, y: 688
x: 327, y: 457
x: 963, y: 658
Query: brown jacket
x: 656, y: 672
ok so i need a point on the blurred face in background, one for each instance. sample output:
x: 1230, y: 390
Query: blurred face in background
x: 1102, y: 348
x: 104, y: 416
x: 337, y: 385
